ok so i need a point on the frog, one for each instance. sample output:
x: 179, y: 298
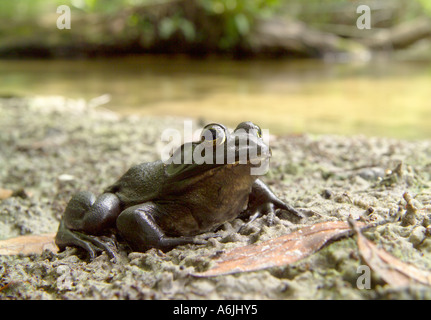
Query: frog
x: 168, y: 203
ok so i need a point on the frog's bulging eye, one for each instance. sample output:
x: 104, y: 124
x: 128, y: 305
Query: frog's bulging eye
x: 258, y: 132
x: 250, y: 128
x: 213, y: 134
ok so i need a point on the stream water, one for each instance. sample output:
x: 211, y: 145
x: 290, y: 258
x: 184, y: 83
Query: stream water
x: 380, y: 98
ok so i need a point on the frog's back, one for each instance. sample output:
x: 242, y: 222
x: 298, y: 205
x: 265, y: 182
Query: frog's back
x: 141, y: 183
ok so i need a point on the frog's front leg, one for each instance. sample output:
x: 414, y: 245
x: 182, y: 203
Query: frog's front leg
x: 263, y: 201
x: 85, y: 217
x: 138, y: 227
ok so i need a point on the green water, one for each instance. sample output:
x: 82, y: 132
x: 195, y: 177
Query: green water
x: 381, y: 98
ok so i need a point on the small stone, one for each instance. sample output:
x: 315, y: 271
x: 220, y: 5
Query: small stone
x: 66, y: 177
x: 417, y: 235
x: 371, y: 174
x: 327, y: 194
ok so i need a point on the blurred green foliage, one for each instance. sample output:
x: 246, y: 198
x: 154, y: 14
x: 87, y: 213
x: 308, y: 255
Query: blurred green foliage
x: 233, y: 18
x: 238, y: 16
x: 170, y: 25
x: 426, y: 4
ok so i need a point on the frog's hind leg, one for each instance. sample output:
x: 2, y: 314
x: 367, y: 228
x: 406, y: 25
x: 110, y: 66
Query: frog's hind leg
x: 86, y: 216
x: 138, y: 227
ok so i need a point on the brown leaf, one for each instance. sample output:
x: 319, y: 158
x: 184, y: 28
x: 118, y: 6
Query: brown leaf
x: 392, y: 270
x: 28, y: 244
x: 5, y: 193
x: 281, y: 251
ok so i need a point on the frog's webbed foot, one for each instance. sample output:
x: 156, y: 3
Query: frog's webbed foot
x: 265, y: 208
x: 90, y: 243
x: 264, y: 202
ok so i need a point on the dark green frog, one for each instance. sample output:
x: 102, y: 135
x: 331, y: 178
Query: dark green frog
x: 165, y: 204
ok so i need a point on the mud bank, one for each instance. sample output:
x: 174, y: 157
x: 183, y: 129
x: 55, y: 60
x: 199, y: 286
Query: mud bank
x: 53, y: 147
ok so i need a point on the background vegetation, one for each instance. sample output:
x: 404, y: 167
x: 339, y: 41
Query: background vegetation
x: 192, y: 26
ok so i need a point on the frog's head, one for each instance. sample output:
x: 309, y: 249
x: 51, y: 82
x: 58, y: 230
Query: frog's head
x: 242, y: 148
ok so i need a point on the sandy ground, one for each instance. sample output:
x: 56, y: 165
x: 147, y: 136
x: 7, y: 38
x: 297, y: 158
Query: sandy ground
x: 53, y: 147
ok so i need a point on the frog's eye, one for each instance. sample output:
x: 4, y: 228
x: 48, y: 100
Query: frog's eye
x: 250, y: 128
x: 255, y: 130
x: 213, y: 134
x: 258, y: 132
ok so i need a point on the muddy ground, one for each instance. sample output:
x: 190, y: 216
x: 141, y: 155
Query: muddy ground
x: 52, y: 147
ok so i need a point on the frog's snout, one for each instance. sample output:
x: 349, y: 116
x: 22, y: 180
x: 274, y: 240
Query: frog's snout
x: 258, y: 152
x: 266, y: 152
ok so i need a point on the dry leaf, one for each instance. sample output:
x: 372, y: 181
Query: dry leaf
x: 28, y: 244
x: 281, y: 251
x: 392, y: 270
x: 5, y: 193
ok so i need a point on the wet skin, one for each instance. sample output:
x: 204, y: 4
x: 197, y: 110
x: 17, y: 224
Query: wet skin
x: 161, y: 205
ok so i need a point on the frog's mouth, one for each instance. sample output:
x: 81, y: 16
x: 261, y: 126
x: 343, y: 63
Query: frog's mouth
x: 182, y: 165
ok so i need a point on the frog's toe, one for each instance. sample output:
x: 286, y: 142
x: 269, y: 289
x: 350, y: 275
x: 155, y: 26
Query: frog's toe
x: 167, y: 243
x: 98, y: 244
x: 283, y: 206
x: 92, y: 244
x: 255, y: 211
x: 66, y: 238
x: 209, y: 235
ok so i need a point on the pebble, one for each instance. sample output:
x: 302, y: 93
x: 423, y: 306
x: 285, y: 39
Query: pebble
x: 417, y: 235
x: 371, y: 174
